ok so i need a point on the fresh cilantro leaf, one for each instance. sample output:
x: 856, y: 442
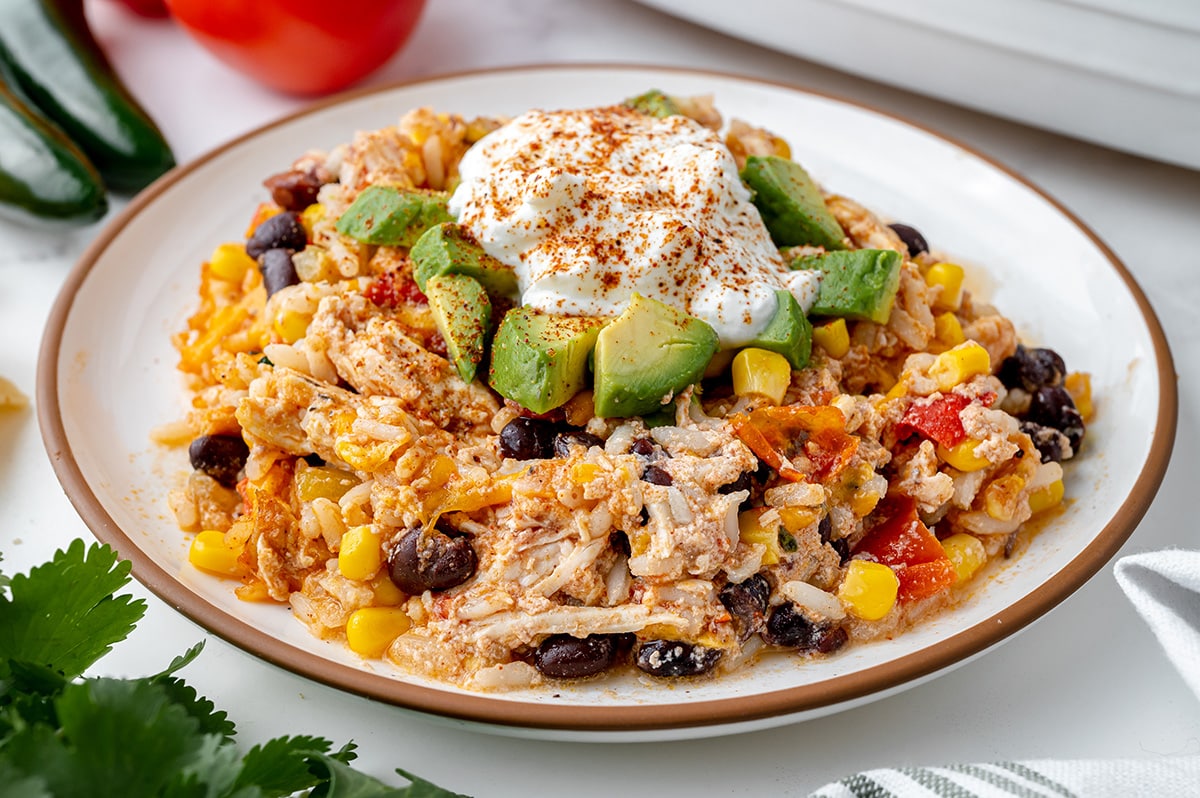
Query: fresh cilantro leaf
x: 211, y: 772
x: 342, y: 781
x: 63, y: 615
x: 17, y: 784
x: 279, y: 767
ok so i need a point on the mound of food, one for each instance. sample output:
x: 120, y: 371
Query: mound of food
x: 508, y: 401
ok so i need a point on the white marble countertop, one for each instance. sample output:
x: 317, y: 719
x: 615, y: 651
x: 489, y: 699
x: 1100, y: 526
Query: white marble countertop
x: 1088, y: 680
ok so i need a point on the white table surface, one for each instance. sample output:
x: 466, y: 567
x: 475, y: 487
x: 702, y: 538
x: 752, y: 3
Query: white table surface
x: 1088, y: 680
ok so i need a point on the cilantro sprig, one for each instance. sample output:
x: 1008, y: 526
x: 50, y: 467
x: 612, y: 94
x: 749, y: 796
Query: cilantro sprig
x: 66, y: 735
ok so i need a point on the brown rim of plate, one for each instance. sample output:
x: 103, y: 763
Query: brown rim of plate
x: 482, y: 708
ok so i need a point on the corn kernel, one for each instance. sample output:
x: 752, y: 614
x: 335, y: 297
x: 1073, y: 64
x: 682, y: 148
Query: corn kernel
x: 967, y: 554
x: 962, y: 456
x: 795, y: 519
x: 386, y: 592
x: 209, y: 552
x: 1079, y: 385
x: 361, y: 553
x: 310, y: 216
x: 254, y: 591
x: 751, y: 530
x: 1044, y: 498
x: 833, y: 337
x: 323, y: 482
x: 899, y: 389
x: 1000, y: 497
x: 762, y: 372
x: 583, y: 473
x: 230, y: 262
x: 956, y: 366
x: 440, y: 471
x: 366, y: 458
x: 948, y: 329
x: 950, y: 277
x: 868, y: 589
x: 370, y: 630
x: 291, y: 326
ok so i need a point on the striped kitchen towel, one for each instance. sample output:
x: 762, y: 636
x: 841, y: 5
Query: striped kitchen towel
x: 1164, y: 586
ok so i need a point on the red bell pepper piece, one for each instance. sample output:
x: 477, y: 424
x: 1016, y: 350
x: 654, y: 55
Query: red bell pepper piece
x: 800, y: 442
x: 936, y: 419
x: 906, y: 544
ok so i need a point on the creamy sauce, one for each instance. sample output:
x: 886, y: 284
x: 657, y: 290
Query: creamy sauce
x: 589, y: 206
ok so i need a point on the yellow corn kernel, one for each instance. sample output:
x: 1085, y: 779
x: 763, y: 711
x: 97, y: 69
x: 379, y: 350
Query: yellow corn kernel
x: 361, y: 553
x: 751, y: 530
x: 795, y: 519
x: 967, y: 554
x: 230, y: 262
x: 948, y: 329
x: 1079, y: 385
x: 868, y: 589
x: 962, y: 456
x: 762, y: 372
x: 950, y: 277
x: 366, y: 458
x: 1047, y: 497
x: 833, y: 337
x: 209, y: 552
x: 899, y: 389
x: 956, y: 366
x: 323, y: 482
x: 386, y: 592
x: 254, y: 591
x: 371, y: 630
x: 583, y: 473
x: 1000, y: 497
x: 291, y: 326
x: 310, y: 216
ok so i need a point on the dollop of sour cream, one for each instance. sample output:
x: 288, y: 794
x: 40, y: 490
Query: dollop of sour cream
x: 589, y: 206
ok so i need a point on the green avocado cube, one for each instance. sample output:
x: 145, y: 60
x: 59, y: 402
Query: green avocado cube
x: 790, y: 203
x: 654, y: 103
x: 449, y: 249
x: 856, y: 284
x: 788, y: 332
x: 539, y: 359
x: 389, y: 216
x: 463, y: 314
x: 647, y: 355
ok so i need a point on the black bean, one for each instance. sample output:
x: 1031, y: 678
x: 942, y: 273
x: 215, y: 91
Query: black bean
x: 294, y: 190
x: 278, y: 271
x: 842, y: 547
x: 745, y: 481
x: 747, y: 603
x: 676, y: 658
x: 1050, y: 442
x: 566, y: 657
x: 526, y: 438
x: 314, y: 459
x: 620, y: 542
x: 644, y: 447
x: 281, y: 231
x: 656, y: 476
x: 565, y: 441
x: 825, y: 528
x: 787, y: 625
x: 427, y: 559
x: 219, y: 456
x: 1032, y: 368
x: 1052, y: 406
x: 911, y: 237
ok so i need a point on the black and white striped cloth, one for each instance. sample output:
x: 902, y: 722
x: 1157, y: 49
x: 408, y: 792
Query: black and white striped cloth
x: 1164, y: 586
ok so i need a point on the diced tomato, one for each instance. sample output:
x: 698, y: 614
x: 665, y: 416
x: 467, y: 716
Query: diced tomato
x: 936, y: 419
x: 387, y: 291
x: 925, y: 579
x: 904, y: 540
x: 813, y: 438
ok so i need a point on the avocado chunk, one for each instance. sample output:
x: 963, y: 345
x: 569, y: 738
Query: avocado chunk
x: 654, y: 103
x: 539, y: 359
x: 463, y: 314
x: 788, y: 332
x: 647, y: 355
x: 448, y: 249
x: 790, y: 203
x: 393, y: 217
x: 857, y: 284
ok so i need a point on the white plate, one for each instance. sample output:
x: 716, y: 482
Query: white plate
x: 107, y: 379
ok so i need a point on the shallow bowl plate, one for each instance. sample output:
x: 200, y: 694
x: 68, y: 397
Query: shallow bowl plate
x: 107, y: 378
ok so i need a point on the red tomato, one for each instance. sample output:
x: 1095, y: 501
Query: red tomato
x: 813, y: 438
x: 936, y: 419
x: 151, y: 9
x: 300, y: 46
